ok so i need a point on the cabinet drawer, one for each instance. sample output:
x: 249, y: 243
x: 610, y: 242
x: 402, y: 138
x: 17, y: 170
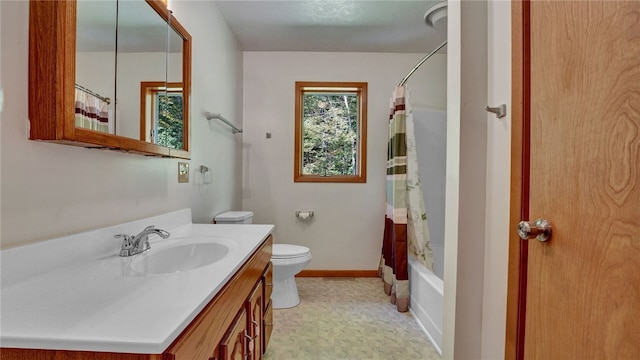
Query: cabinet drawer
x: 268, y: 326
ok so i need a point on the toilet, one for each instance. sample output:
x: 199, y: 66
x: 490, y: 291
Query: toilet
x: 288, y: 260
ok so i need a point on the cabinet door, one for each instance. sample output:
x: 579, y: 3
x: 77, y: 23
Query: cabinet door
x: 255, y: 307
x: 234, y: 344
x: 267, y: 315
x: 268, y: 326
x: 215, y: 355
x: 267, y: 279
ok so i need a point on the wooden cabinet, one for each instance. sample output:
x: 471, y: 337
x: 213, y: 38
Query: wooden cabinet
x: 245, y: 339
x: 268, y: 326
x: 52, y: 79
x: 203, y: 339
x: 267, y: 315
x: 255, y: 307
x: 237, y: 343
x: 229, y: 327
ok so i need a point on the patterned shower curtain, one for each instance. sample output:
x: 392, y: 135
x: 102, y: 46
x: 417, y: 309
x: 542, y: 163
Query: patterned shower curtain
x: 91, y: 112
x: 405, y: 227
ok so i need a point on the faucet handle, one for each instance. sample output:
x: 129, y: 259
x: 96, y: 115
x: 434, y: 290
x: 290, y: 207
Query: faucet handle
x: 127, y: 245
x: 127, y: 238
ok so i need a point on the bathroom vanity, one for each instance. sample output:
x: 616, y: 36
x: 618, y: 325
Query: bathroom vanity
x: 203, y: 293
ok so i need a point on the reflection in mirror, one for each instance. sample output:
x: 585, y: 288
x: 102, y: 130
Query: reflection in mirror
x: 95, y: 65
x: 141, y: 57
x: 175, y: 110
x: 162, y: 113
x: 162, y: 105
x: 148, y: 51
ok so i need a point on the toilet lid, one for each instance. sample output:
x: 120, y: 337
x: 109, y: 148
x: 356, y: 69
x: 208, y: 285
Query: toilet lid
x: 289, y: 251
x: 234, y: 216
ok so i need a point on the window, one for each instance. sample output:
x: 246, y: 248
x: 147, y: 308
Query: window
x: 331, y: 132
x: 161, y: 123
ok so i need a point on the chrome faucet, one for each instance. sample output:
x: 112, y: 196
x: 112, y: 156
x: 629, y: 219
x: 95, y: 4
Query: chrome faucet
x: 132, y: 245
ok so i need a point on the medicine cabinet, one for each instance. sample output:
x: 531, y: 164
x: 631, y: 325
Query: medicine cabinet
x: 90, y: 66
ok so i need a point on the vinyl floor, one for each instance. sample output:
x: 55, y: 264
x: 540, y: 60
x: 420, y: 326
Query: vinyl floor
x: 346, y: 319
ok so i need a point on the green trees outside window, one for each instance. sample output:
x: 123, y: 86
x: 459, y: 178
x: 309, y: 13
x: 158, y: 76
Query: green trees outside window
x: 168, y: 124
x: 163, y: 114
x: 330, y: 132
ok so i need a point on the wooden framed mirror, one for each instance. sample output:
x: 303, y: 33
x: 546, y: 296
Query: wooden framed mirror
x: 77, y: 97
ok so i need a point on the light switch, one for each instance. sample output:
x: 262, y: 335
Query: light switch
x: 183, y: 172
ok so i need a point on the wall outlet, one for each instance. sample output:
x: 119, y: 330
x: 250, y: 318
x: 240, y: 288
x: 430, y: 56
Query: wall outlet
x: 183, y: 172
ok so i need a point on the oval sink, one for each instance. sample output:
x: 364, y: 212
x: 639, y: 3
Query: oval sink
x: 179, y: 258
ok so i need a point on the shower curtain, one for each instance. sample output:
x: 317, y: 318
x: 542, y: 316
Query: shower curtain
x: 405, y: 228
x: 91, y: 112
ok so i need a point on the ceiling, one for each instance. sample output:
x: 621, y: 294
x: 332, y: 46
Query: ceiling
x: 332, y: 25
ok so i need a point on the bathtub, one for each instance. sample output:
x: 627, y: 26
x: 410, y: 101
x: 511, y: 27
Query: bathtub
x: 425, y: 301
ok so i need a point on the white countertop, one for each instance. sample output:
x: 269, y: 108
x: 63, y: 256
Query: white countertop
x: 97, y: 303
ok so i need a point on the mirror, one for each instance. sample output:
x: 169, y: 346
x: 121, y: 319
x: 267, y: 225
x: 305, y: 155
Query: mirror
x: 96, y: 31
x: 91, y: 65
x: 149, y: 56
x: 169, y: 127
x: 142, y: 56
x: 162, y: 107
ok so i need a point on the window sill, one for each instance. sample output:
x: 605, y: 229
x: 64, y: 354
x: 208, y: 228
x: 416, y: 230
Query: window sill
x: 330, y: 179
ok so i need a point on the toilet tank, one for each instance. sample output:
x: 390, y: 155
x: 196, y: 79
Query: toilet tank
x: 234, y: 217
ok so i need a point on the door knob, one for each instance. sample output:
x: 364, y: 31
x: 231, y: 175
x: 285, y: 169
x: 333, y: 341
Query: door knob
x: 539, y: 229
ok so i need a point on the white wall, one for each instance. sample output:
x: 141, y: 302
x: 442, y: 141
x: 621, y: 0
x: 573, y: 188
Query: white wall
x: 496, y: 255
x: 50, y: 190
x: 466, y: 180
x: 476, y: 239
x: 216, y: 87
x: 346, y: 232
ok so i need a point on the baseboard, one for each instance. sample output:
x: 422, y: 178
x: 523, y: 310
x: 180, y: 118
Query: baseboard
x: 338, y: 273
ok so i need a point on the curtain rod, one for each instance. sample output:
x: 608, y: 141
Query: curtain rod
x: 105, y: 99
x: 221, y: 118
x: 404, y: 80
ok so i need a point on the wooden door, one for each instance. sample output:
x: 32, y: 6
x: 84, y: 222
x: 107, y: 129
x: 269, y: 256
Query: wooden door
x: 577, y: 164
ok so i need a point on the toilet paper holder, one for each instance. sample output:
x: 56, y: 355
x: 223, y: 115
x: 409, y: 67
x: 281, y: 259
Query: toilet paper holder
x: 304, y: 215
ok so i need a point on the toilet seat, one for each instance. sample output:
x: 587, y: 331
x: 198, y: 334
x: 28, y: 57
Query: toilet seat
x: 288, y: 251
